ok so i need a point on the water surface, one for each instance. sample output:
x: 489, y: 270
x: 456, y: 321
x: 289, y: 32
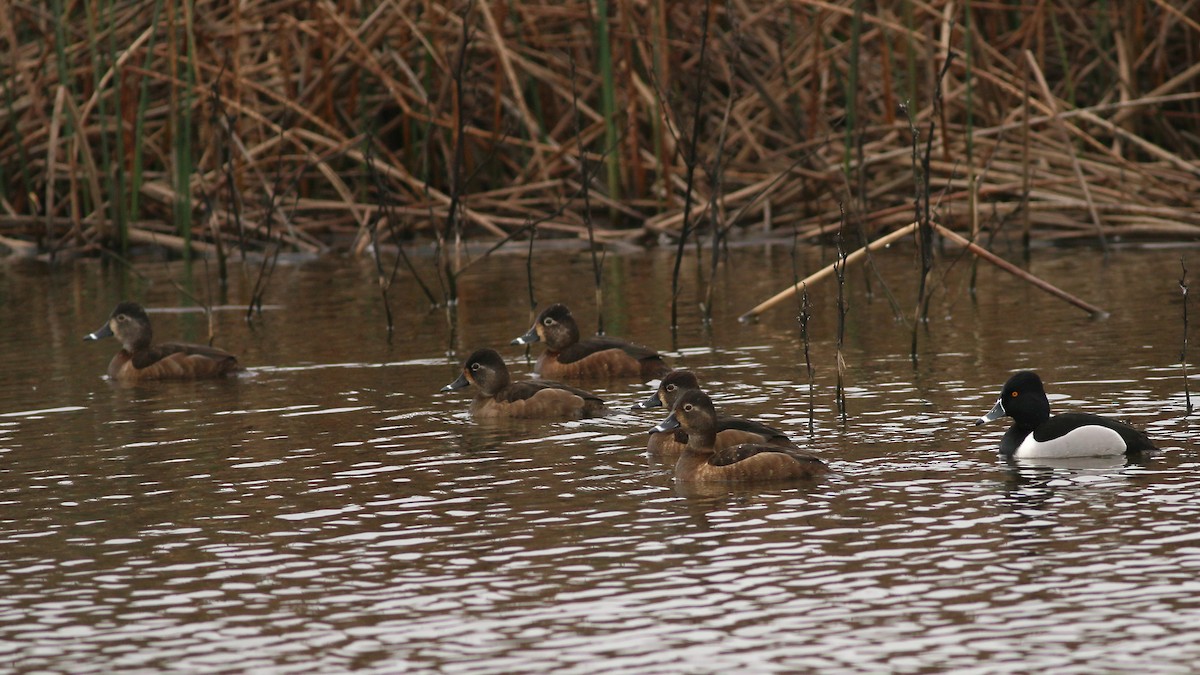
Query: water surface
x: 331, y: 509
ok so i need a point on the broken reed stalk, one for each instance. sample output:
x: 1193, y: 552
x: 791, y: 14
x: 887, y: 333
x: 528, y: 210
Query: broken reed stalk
x: 529, y: 276
x: 839, y: 270
x: 387, y: 211
x: 714, y: 211
x: 381, y: 277
x: 891, y: 237
x: 403, y: 257
x: 805, y: 317
x: 716, y: 205
x: 922, y: 206
x: 266, y: 266
x: 1003, y: 264
x: 689, y: 181
x: 453, y: 219
x: 584, y: 181
x: 1183, y: 288
x: 804, y: 314
x: 854, y: 257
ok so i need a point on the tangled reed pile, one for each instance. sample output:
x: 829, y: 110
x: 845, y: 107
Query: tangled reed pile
x: 271, y: 125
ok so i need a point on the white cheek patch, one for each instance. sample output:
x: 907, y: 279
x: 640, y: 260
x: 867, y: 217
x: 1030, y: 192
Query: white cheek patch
x: 1086, y: 441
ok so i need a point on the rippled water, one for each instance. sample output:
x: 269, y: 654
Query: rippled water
x: 330, y: 509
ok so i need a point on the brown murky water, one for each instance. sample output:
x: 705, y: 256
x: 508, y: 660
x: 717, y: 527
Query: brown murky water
x: 330, y: 509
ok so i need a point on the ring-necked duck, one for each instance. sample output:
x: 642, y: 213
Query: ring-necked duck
x: 1034, y: 433
x: 730, y: 430
x: 499, y: 396
x: 138, y: 360
x: 567, y: 356
x: 702, y: 462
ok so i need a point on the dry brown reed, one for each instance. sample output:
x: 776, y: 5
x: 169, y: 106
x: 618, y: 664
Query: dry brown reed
x: 1082, y: 119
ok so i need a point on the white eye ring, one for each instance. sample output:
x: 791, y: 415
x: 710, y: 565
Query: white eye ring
x: 670, y: 387
x: 475, y: 366
x: 548, y: 321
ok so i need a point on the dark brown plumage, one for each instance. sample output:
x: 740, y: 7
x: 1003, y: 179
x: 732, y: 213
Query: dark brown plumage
x: 667, y: 445
x: 499, y: 397
x: 139, y: 360
x: 598, y: 357
x: 701, y: 462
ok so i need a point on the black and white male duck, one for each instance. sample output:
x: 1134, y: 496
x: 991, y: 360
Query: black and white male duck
x: 1035, y: 434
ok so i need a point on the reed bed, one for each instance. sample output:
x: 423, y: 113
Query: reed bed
x: 266, y: 125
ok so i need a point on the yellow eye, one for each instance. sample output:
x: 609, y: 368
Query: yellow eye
x: 1015, y: 394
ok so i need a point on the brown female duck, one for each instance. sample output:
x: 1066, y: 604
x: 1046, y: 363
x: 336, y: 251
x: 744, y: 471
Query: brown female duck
x: 567, y: 356
x: 702, y: 462
x: 730, y: 430
x: 500, y: 397
x: 140, y: 360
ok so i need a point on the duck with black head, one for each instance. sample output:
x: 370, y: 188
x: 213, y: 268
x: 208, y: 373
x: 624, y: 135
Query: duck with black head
x: 140, y: 359
x: 702, y: 462
x: 499, y: 397
x: 1034, y: 433
x: 569, y: 357
x: 731, y: 431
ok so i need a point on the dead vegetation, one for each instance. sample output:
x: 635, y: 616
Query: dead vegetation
x: 269, y: 125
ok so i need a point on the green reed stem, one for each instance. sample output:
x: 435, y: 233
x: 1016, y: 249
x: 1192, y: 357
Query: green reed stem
x: 64, y: 80
x: 608, y: 101
x: 181, y: 138
x: 139, y: 119
x: 972, y: 206
x: 98, y: 67
x: 24, y: 163
x: 116, y: 169
x: 1064, y: 58
x: 658, y: 50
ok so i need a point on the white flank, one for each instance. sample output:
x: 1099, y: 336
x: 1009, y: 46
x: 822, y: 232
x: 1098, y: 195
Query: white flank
x: 1088, y: 441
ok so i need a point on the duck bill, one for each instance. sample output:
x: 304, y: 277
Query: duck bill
x: 528, y: 338
x: 101, y: 332
x: 653, y: 402
x: 460, y: 383
x: 668, y: 424
x: 996, y: 413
